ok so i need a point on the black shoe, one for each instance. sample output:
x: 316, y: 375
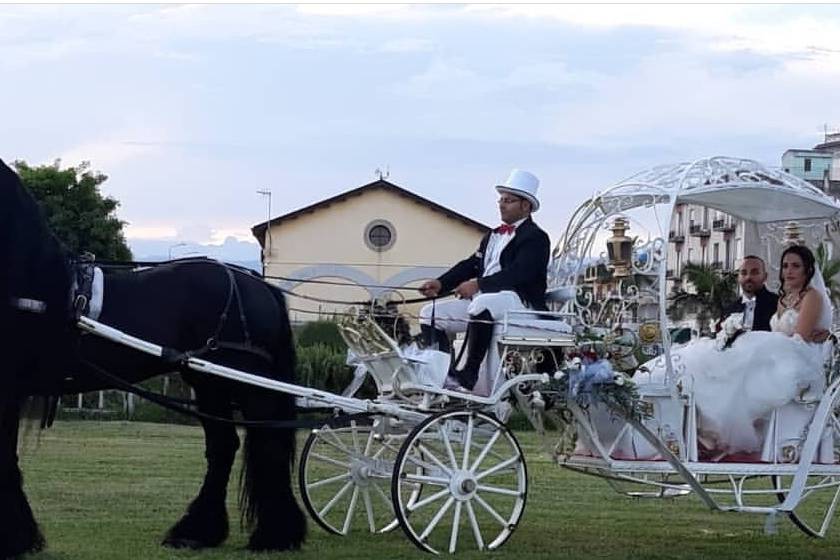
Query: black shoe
x: 479, y: 336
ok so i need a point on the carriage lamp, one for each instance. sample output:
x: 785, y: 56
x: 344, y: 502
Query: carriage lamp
x: 619, y: 248
x: 793, y: 234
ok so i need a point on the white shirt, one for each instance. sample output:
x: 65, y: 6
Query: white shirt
x: 749, y: 311
x: 495, y: 246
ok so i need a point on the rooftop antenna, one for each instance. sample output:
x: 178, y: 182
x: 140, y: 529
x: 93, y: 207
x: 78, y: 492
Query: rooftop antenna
x: 383, y: 175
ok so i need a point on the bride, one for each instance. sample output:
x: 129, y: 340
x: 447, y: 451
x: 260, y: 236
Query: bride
x: 736, y: 387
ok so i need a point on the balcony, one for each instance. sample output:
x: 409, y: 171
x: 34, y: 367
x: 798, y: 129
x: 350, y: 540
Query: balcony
x: 723, y: 225
x: 697, y: 230
x: 675, y: 237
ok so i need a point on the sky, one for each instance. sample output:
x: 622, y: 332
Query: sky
x: 191, y: 109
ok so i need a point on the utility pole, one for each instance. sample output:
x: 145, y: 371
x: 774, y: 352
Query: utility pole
x: 267, y: 252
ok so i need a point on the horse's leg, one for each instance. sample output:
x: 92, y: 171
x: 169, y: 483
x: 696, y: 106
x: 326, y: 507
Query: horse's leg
x: 205, y: 523
x: 269, y: 506
x: 19, y: 532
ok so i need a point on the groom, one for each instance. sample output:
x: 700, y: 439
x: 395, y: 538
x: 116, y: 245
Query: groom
x: 757, y: 303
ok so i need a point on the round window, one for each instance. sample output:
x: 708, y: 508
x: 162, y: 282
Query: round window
x: 379, y: 235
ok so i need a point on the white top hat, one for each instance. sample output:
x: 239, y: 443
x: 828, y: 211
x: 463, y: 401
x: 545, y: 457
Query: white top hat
x: 524, y: 184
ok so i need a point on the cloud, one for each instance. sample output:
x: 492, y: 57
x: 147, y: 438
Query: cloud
x: 407, y: 45
x: 544, y: 75
x: 150, y: 232
x: 456, y: 80
x: 114, y: 149
x: 610, y: 16
x: 444, y: 80
x: 679, y: 97
x: 201, y: 105
x: 781, y: 30
x: 197, y: 233
x: 378, y: 11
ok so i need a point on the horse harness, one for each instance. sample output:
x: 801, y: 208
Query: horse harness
x: 214, y: 343
x: 83, y: 299
x: 80, y: 297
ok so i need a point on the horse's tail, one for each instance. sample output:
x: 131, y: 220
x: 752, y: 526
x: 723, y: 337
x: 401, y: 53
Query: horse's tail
x: 36, y: 414
x: 265, y: 497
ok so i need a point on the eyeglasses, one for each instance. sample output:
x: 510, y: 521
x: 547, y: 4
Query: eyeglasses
x: 509, y: 200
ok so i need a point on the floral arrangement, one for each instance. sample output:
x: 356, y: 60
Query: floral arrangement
x: 731, y: 328
x: 588, y: 376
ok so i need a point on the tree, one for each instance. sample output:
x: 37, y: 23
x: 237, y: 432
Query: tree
x: 76, y: 211
x: 829, y: 269
x: 714, y: 291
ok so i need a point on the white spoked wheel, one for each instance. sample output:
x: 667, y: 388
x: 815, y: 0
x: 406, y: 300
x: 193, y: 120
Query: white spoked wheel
x: 820, y: 498
x: 344, y: 477
x: 813, y: 514
x: 459, y: 474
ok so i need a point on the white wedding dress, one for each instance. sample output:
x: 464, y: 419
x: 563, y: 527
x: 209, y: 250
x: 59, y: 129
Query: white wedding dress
x: 736, y: 389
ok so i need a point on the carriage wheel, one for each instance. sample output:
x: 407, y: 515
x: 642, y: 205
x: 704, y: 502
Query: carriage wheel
x: 344, y: 476
x: 821, y: 497
x: 459, y: 472
x: 816, y: 509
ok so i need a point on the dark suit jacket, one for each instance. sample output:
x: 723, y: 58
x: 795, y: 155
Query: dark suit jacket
x: 765, y: 305
x: 524, y: 262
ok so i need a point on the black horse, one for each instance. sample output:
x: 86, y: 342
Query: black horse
x: 233, y: 318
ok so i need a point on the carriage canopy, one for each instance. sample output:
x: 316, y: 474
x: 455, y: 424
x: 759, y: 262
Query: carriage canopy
x: 740, y: 187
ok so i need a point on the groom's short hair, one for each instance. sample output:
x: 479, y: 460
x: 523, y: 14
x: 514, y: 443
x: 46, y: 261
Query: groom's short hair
x: 756, y: 257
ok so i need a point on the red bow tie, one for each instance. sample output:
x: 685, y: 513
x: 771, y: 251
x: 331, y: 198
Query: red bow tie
x: 504, y: 229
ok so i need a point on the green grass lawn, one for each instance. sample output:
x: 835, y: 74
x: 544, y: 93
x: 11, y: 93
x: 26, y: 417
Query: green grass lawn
x: 111, y: 489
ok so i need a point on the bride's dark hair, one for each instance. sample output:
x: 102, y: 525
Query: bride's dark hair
x: 808, y: 261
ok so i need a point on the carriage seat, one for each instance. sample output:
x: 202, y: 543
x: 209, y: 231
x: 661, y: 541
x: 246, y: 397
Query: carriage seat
x: 375, y: 353
x: 535, y: 327
x: 675, y: 422
x: 547, y: 328
x: 788, y: 425
x: 526, y: 328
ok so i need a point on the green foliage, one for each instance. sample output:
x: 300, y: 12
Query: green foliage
x: 76, y: 211
x: 320, y: 332
x: 323, y: 367
x: 322, y: 357
x: 829, y: 268
x: 714, y: 291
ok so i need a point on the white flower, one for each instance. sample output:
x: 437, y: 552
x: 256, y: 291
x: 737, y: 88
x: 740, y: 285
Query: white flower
x: 733, y: 324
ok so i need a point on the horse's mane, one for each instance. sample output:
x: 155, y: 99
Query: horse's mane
x: 34, y: 262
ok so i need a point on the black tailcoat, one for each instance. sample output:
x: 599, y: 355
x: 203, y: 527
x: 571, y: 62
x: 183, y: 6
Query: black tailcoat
x: 765, y: 306
x: 524, y: 263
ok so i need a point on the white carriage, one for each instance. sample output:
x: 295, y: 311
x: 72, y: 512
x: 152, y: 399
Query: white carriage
x: 654, y: 450
x: 444, y: 466
x: 441, y: 464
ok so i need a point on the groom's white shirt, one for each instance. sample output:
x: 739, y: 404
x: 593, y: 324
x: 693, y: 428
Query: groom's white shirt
x: 749, y: 310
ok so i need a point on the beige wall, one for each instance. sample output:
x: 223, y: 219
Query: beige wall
x: 329, y: 244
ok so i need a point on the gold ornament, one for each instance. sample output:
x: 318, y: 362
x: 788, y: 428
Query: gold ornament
x: 649, y: 333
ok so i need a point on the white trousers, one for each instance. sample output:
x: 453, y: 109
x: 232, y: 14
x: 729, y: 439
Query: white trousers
x: 452, y: 316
